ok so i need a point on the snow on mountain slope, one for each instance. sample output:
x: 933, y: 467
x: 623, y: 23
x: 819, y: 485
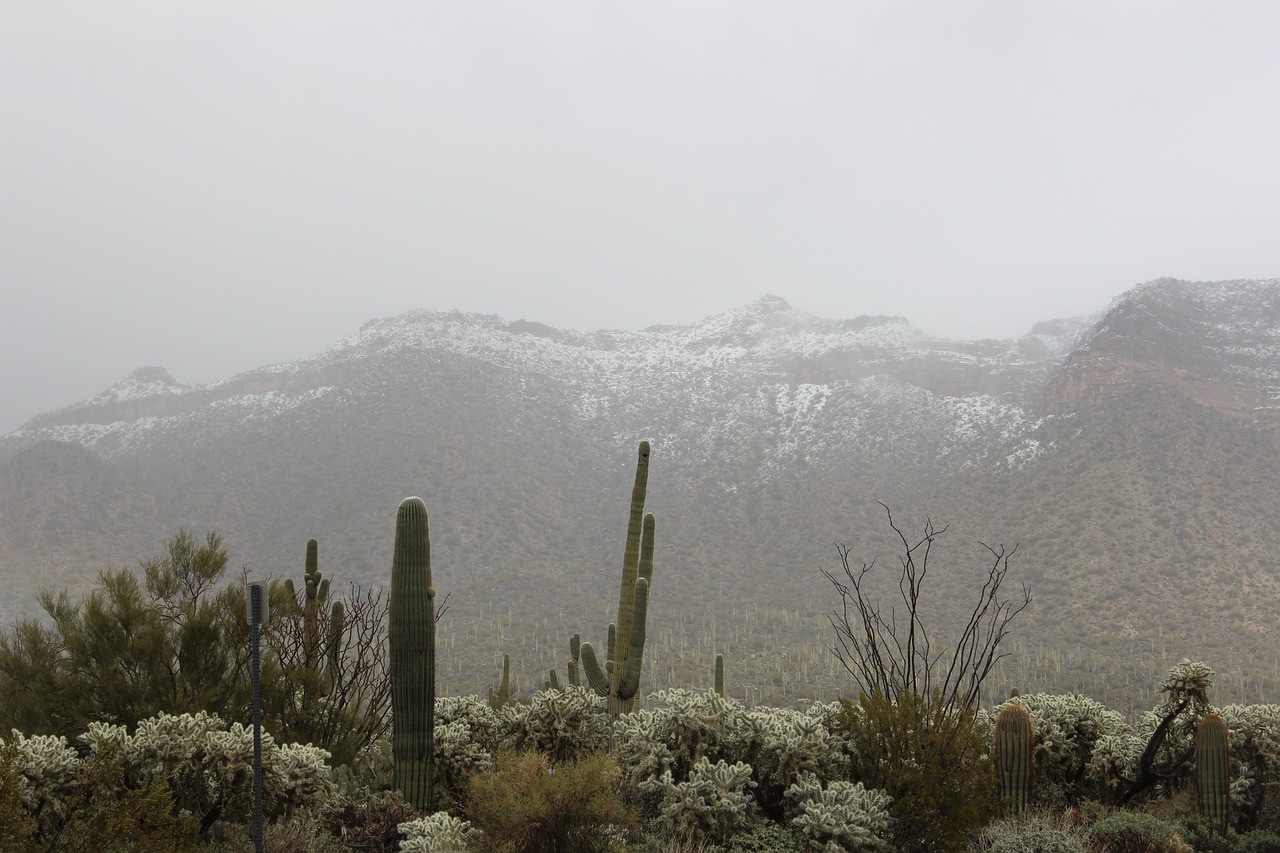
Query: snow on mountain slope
x: 764, y: 374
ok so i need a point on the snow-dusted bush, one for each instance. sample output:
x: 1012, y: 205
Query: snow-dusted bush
x: 686, y: 725
x: 841, y: 817
x: 438, y: 833
x: 562, y: 724
x: 711, y: 804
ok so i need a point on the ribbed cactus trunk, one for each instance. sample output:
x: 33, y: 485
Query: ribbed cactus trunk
x: 618, y: 680
x: 1213, y: 772
x: 1015, y: 756
x: 413, y: 656
x: 719, y: 682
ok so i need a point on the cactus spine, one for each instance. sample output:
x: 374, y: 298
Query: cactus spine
x: 619, y: 679
x: 1015, y: 756
x: 1213, y: 771
x: 412, y: 635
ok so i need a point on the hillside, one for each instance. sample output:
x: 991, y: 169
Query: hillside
x: 1134, y: 457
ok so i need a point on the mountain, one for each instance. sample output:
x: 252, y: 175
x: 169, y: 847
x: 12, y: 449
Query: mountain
x: 1133, y: 456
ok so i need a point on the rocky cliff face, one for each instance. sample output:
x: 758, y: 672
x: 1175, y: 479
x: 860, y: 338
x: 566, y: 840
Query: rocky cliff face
x: 1216, y: 344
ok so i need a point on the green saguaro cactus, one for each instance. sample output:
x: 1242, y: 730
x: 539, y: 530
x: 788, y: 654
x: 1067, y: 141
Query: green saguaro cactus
x: 575, y: 655
x: 719, y: 682
x: 311, y: 608
x: 1213, y: 771
x: 501, y: 696
x: 1015, y: 756
x: 412, y: 642
x: 619, y: 679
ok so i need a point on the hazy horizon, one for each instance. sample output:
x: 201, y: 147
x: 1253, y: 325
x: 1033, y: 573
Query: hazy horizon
x: 216, y: 189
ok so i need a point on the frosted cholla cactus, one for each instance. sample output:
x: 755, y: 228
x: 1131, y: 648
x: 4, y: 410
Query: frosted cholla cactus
x: 843, y: 816
x: 789, y: 744
x: 302, y: 776
x: 1114, y: 761
x: 48, y: 770
x: 712, y: 804
x: 440, y: 832
x: 484, y: 727
x: 563, y: 724
x: 685, y: 726
x: 1067, y: 728
x: 101, y: 737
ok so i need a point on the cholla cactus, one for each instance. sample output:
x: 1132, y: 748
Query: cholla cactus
x: 711, y: 805
x: 843, y: 817
x: 684, y: 726
x: 438, y: 833
x: 48, y: 771
x: 562, y: 724
x: 790, y: 744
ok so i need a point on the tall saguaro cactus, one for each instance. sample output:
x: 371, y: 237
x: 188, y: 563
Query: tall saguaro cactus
x: 1213, y: 771
x: 315, y: 598
x: 619, y: 679
x: 1015, y: 756
x: 412, y: 632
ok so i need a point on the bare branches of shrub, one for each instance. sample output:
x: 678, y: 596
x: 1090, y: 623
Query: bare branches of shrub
x: 893, y: 653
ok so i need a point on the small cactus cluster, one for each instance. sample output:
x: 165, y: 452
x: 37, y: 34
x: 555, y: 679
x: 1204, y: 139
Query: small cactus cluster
x: 618, y: 680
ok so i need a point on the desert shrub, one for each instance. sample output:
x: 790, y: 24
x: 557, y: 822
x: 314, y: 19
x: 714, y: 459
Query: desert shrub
x: 1039, y: 841
x: 524, y: 805
x: 17, y: 828
x: 1261, y: 841
x: 303, y: 834
x: 767, y: 837
x: 1135, y: 832
x: 96, y: 811
x: 440, y: 832
x: 711, y: 805
x: 369, y: 823
x: 932, y: 761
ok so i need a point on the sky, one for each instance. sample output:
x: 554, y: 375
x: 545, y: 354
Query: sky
x: 213, y: 187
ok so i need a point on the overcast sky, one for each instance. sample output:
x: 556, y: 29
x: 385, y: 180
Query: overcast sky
x: 215, y: 186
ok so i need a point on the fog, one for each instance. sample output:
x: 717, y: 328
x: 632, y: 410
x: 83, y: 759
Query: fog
x: 214, y: 187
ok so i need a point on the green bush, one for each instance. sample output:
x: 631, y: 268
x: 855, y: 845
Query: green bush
x: 525, y: 805
x: 933, y: 762
x: 1040, y: 841
x: 1135, y: 832
x: 1262, y: 841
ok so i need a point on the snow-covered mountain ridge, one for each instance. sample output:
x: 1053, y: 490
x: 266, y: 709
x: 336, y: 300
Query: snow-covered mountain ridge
x: 765, y: 361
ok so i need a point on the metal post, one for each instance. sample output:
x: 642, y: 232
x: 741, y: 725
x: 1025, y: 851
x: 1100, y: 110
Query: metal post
x: 256, y: 611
